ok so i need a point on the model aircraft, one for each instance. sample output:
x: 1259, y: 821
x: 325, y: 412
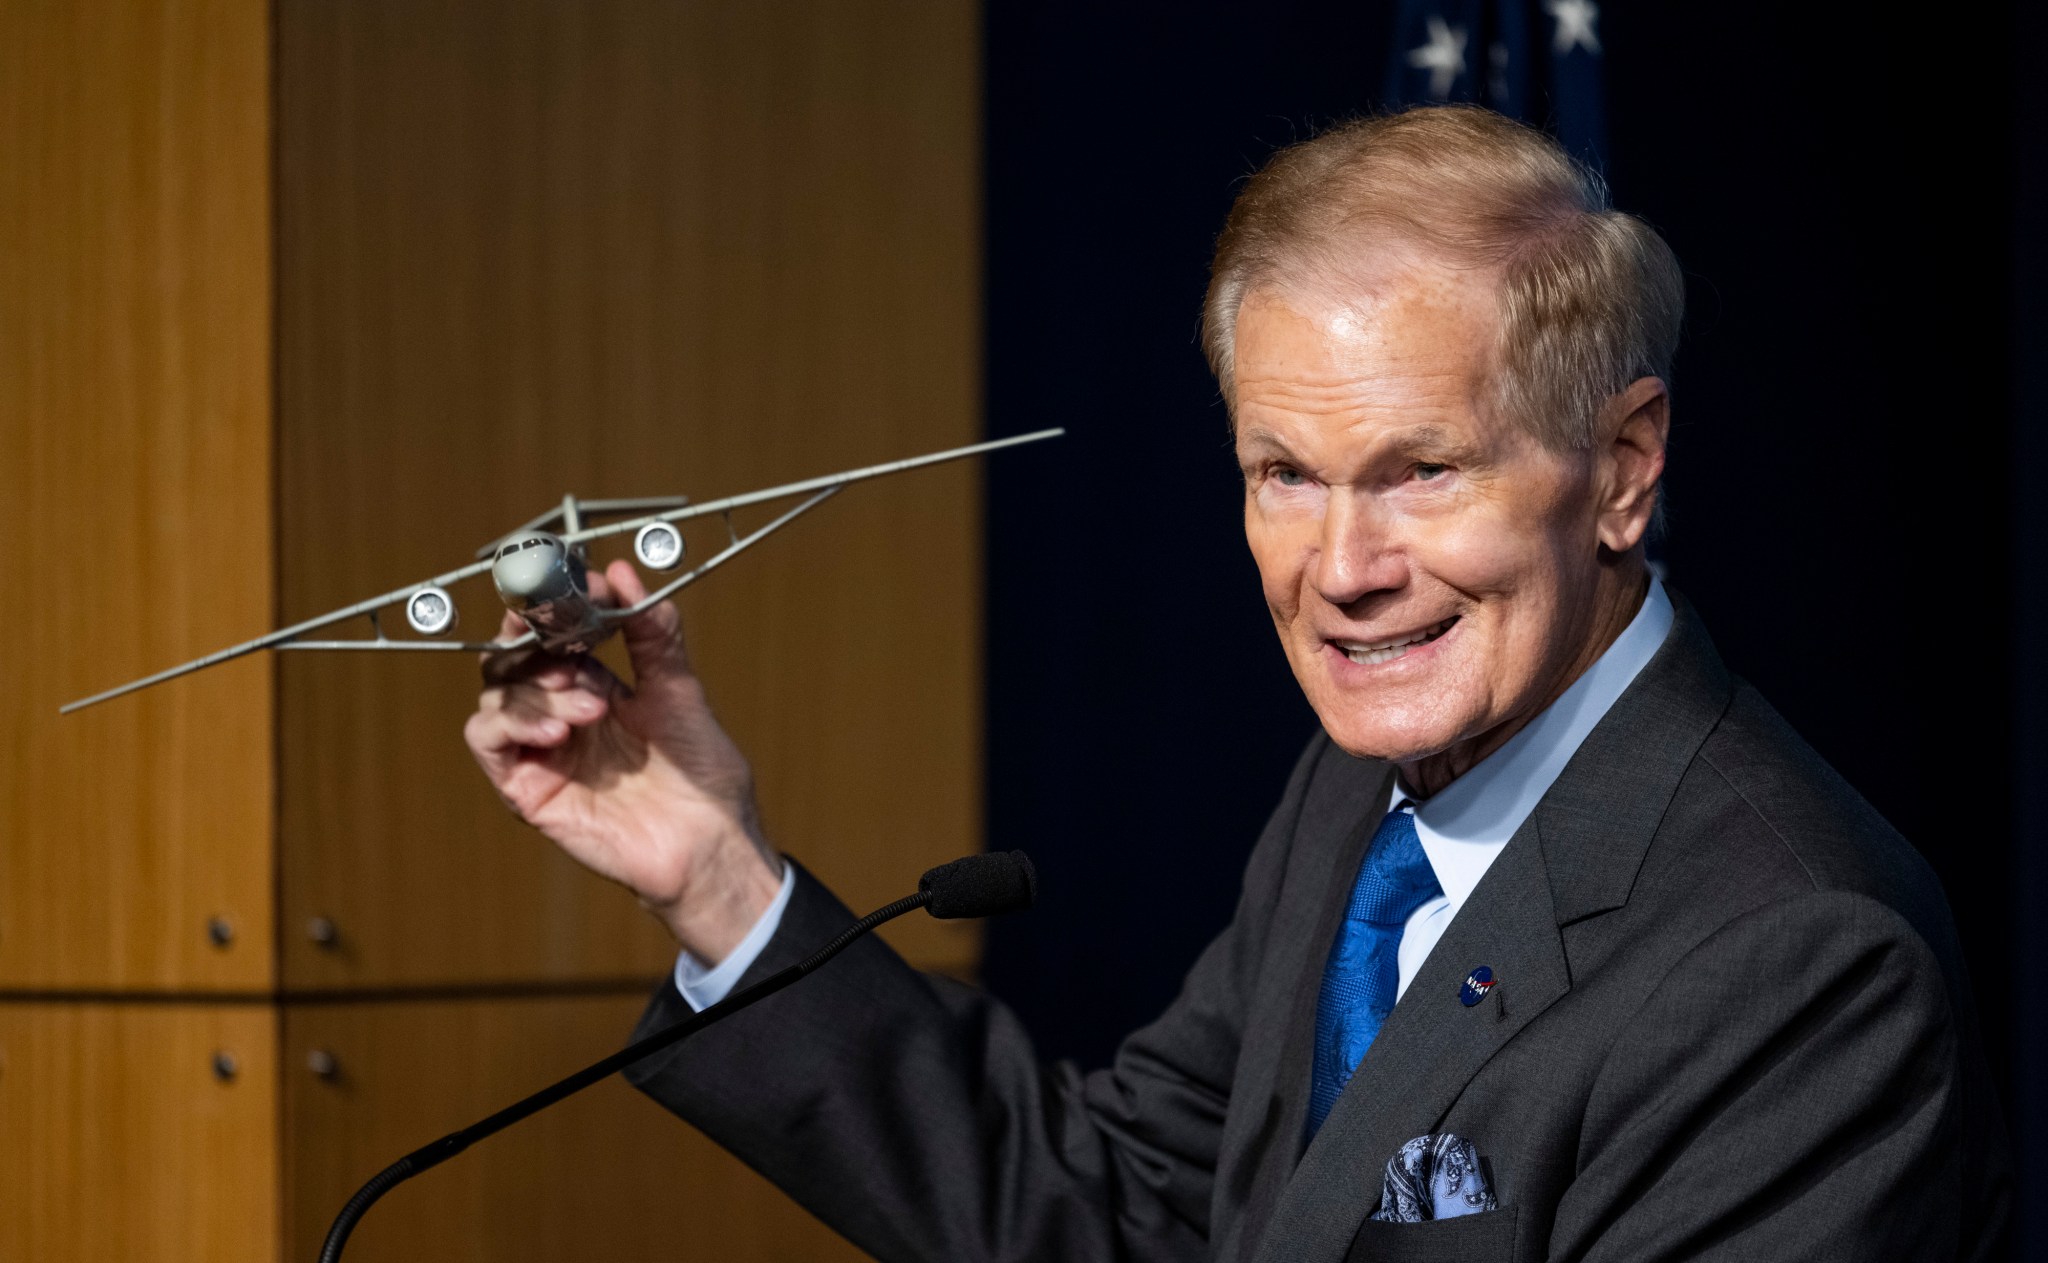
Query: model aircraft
x: 541, y: 574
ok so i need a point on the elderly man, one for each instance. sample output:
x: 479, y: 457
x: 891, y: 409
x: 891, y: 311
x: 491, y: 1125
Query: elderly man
x: 1560, y: 944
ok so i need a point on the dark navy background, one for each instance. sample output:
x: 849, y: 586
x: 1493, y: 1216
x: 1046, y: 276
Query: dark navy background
x: 1859, y: 433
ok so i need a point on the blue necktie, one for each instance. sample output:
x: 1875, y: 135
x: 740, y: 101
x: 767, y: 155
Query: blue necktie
x: 1364, y: 970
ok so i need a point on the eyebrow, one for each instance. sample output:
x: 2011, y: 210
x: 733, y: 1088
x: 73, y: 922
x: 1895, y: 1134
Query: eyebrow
x: 1438, y: 439
x: 1426, y: 435
x: 1258, y: 436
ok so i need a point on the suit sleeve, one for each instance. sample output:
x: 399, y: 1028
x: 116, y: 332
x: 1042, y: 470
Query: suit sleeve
x: 909, y: 1112
x: 1788, y: 1093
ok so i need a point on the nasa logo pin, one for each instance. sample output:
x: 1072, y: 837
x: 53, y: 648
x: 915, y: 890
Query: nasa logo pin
x: 1477, y: 984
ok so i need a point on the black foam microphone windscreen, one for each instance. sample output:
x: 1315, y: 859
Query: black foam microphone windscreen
x: 981, y: 885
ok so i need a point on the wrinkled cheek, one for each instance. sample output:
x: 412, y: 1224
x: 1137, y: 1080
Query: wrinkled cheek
x: 1481, y: 562
x: 1281, y: 573
x: 1282, y: 598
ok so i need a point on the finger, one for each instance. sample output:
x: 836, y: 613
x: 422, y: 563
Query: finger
x: 533, y: 729
x: 551, y: 671
x: 497, y: 736
x: 623, y: 579
x: 654, y: 637
x: 510, y: 627
x: 578, y: 671
x: 555, y: 673
x: 578, y: 707
x: 507, y: 664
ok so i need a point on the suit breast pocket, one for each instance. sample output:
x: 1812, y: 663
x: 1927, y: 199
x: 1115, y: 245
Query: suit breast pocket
x: 1482, y: 1238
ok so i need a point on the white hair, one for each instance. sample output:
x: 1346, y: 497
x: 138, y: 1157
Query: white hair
x: 1590, y: 299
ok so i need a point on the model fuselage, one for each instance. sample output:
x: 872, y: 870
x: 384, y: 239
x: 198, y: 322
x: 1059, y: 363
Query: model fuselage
x: 545, y: 582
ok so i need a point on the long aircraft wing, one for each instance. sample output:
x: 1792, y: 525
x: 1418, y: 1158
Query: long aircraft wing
x: 820, y: 489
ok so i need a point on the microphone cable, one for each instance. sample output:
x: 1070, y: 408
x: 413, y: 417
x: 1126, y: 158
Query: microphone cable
x: 974, y: 886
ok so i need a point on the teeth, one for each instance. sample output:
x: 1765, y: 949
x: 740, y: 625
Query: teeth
x: 1387, y: 651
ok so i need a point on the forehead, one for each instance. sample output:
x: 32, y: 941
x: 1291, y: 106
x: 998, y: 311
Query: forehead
x: 1380, y: 339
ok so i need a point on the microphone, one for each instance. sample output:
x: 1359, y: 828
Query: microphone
x: 981, y: 886
x: 974, y: 886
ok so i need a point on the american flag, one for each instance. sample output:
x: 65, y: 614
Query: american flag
x: 1536, y: 60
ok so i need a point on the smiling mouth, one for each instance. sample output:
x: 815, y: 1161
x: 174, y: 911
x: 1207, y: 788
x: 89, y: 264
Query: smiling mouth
x: 1369, y: 653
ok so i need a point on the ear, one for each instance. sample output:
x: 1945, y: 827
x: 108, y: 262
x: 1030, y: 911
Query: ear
x: 1634, y: 425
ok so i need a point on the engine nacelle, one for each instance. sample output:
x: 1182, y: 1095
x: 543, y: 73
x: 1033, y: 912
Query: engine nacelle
x: 659, y: 546
x: 431, y: 611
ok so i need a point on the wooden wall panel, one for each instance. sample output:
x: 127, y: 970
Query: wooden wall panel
x: 122, y: 1143
x: 606, y: 1175
x: 135, y: 467
x: 615, y: 248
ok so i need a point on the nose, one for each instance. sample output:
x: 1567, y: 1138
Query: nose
x: 1358, y: 556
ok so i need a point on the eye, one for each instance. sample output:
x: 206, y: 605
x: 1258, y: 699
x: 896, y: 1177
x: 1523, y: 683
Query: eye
x: 1288, y: 476
x: 1427, y: 472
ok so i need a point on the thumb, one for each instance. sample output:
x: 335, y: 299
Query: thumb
x: 654, y: 637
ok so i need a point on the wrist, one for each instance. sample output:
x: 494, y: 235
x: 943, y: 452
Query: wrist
x: 731, y: 888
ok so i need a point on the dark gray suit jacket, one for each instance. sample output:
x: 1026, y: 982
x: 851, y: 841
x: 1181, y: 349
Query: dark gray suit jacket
x: 1731, y: 1022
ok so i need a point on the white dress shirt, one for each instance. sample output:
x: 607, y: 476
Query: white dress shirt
x: 1467, y: 823
x: 1461, y: 829
x: 703, y: 985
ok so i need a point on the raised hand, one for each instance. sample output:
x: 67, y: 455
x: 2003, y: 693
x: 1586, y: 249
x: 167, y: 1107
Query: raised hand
x: 638, y: 783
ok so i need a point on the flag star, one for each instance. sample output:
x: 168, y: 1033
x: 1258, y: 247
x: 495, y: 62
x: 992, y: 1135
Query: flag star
x: 1575, y: 20
x: 1443, y: 56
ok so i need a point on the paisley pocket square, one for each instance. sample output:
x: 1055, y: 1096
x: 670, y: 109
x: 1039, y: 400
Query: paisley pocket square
x: 1434, y: 1177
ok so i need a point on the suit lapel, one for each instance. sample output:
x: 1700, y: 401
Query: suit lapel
x: 1278, y: 1056
x: 1575, y: 857
x: 1430, y: 1047
x: 1598, y: 819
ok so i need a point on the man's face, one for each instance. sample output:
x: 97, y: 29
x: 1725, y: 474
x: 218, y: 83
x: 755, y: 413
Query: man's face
x: 1432, y: 568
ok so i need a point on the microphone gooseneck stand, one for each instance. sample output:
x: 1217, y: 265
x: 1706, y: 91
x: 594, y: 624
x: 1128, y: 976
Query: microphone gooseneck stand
x: 976, y: 886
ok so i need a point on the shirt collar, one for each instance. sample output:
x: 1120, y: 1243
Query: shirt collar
x: 1467, y: 823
